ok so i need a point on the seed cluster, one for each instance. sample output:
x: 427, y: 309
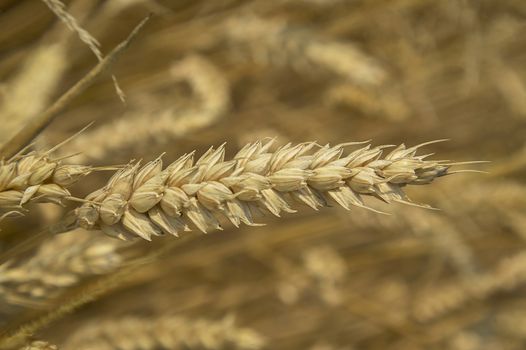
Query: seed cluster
x: 35, y: 177
x: 149, y: 201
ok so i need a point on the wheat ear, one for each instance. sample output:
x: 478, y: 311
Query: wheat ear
x: 37, y: 177
x: 276, y: 42
x: 150, y: 201
x: 39, y: 345
x: 167, y: 332
x: 59, y: 263
x: 509, y: 273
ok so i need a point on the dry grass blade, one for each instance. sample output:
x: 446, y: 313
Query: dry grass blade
x: 60, y: 11
x: 39, y: 122
x: 34, y: 83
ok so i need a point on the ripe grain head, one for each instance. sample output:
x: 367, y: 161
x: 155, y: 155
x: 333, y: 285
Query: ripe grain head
x: 255, y: 181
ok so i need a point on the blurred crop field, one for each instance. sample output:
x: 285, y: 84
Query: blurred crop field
x: 201, y: 73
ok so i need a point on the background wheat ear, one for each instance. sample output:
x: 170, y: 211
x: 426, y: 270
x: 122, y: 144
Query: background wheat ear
x: 39, y: 345
x: 59, y: 263
x: 166, y: 332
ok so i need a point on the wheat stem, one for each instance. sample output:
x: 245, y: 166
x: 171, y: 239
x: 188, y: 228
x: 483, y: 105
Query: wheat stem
x: 39, y: 122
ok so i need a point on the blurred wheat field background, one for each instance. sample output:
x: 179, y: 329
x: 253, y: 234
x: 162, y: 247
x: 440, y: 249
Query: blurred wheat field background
x: 204, y: 72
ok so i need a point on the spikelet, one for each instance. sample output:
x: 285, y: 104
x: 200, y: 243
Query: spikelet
x: 256, y: 180
x: 39, y: 345
x: 166, y: 332
x: 59, y: 263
